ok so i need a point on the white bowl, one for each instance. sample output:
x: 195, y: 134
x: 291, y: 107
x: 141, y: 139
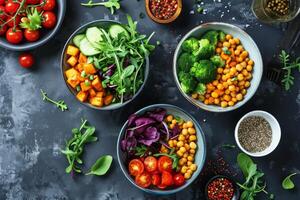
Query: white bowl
x: 249, y: 45
x: 276, y: 132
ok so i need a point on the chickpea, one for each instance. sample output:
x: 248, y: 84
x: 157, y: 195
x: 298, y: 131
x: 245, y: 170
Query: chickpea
x: 234, y: 100
x: 184, y: 125
x: 239, y: 67
x: 189, y: 170
x: 171, y: 144
x: 172, y: 126
x: 187, y: 146
x: 220, y: 86
x: 182, y: 149
x: 189, y: 124
x: 227, y: 97
x: 220, y: 70
x: 231, y: 41
x: 193, y: 145
x: 249, y: 68
x: 226, y: 44
x: 179, y: 153
x: 187, y: 175
x: 240, y: 47
x: 244, y: 54
x: 215, y: 82
x: 233, y: 70
x: 201, y: 98
x: 191, y: 131
x: 219, y: 44
x: 225, y: 85
x: 227, y: 91
x: 193, y: 167
x: 192, y: 138
x: 226, y: 71
x: 189, y: 163
x: 244, y: 91
x: 214, y: 94
x: 230, y: 103
x: 239, y: 97
x: 237, y: 52
x: 179, y: 144
x: 236, y: 40
x: 251, y: 62
x: 244, y: 64
x: 169, y: 118
x: 182, y: 161
x: 241, y: 83
x: 231, y: 88
x: 175, y: 143
x: 192, y: 151
x: 249, y: 76
x: 184, y: 169
x: 228, y: 37
x: 247, y: 84
x: 217, y: 101
x: 240, y: 77
x: 181, y: 137
x: 195, y: 96
x: 233, y: 94
x: 245, y: 72
x: 240, y: 59
x: 206, y: 102
x: 190, y: 158
x: 174, y: 121
x: 185, y: 155
x: 224, y: 104
x: 218, y: 50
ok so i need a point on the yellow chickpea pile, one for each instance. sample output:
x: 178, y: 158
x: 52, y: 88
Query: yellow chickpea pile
x: 233, y: 79
x: 185, y: 146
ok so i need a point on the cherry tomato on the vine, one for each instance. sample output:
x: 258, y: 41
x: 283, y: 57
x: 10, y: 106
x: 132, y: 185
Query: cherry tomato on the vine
x: 2, y: 11
x: 26, y: 60
x: 15, y: 22
x: 49, y: 5
x: 11, y: 6
x: 32, y: 2
x: 2, y: 2
x: 32, y: 35
x: 49, y: 20
x: 3, y: 29
x: 178, y: 179
x: 14, y: 36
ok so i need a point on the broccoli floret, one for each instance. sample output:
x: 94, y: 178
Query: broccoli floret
x: 200, y: 89
x: 190, y: 45
x: 218, y: 61
x: 204, y: 71
x: 205, y: 51
x: 212, y: 36
x: 222, y: 36
x: 185, y: 62
x: 187, y: 82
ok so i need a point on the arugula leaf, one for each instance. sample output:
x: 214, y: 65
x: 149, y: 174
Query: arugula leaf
x: 101, y: 166
x: 140, y: 151
x: 287, y: 183
x: 110, y: 4
x: 59, y: 104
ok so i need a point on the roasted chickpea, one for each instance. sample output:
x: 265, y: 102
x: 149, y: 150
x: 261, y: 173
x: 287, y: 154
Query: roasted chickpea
x: 228, y: 37
x: 189, y: 124
x: 191, y: 131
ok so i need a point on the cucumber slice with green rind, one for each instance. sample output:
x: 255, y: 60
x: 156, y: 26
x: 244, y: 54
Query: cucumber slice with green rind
x: 116, y: 29
x: 87, y: 48
x: 94, y: 35
x: 77, y: 39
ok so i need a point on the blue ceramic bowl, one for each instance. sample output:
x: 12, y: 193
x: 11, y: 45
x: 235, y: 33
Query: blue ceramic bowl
x: 45, y: 36
x: 199, y: 156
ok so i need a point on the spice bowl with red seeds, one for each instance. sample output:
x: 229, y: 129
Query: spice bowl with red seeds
x: 27, y: 24
x: 221, y: 187
x: 163, y: 11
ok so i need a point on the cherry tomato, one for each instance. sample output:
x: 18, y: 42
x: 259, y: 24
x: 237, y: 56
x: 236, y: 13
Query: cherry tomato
x: 162, y: 187
x: 136, y: 167
x: 165, y: 164
x: 2, y: 2
x: 150, y: 164
x: 32, y: 35
x: 14, y: 37
x: 143, y: 180
x: 2, y: 11
x: 155, y: 179
x: 178, y: 179
x: 11, y: 6
x: 26, y: 60
x: 3, y: 29
x: 49, y: 20
x: 166, y: 178
x: 12, y: 23
x: 32, y: 2
x: 49, y: 5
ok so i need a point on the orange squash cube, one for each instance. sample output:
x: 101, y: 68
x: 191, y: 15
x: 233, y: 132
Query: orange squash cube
x: 100, y: 94
x: 72, y: 73
x: 92, y: 92
x: 72, y: 61
x: 84, y: 86
x: 108, y: 99
x: 96, y: 101
x: 97, y: 84
x: 79, y: 67
x: 89, y: 68
x: 82, y: 96
x: 82, y: 58
x: 73, y: 82
x: 72, y: 50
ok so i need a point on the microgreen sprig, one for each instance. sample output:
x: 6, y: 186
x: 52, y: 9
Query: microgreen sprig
x: 110, y: 4
x: 59, y: 104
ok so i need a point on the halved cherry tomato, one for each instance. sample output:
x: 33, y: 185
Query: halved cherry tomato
x: 165, y: 164
x: 49, y: 5
x: 26, y: 60
x: 150, y: 163
x: 32, y: 2
x: 15, y: 22
x: 178, y: 179
x: 11, y: 6
x: 162, y: 187
x: 14, y: 36
x: 136, y: 167
x: 2, y: 2
x: 32, y: 35
x: 166, y: 178
x: 155, y: 179
x: 2, y: 11
x: 3, y: 29
x: 49, y: 20
x: 143, y: 180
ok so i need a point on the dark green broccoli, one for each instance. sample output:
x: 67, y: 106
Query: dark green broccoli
x: 190, y: 45
x: 222, y: 36
x: 186, y: 61
x: 212, y: 36
x: 204, y: 70
x: 205, y: 51
x: 200, y: 88
x: 187, y: 82
x: 218, y: 61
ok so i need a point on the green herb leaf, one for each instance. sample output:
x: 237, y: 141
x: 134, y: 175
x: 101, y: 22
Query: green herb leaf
x: 128, y: 71
x: 101, y: 166
x: 59, y: 104
x: 110, y: 4
x: 244, y: 163
x: 229, y: 146
x: 287, y: 183
x: 140, y: 150
x: 33, y: 20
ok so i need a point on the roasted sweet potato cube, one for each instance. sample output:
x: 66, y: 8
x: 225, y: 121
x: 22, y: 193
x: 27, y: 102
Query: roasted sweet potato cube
x: 82, y: 96
x: 82, y: 58
x: 108, y: 99
x: 73, y: 82
x: 97, y: 84
x: 72, y: 73
x: 89, y: 68
x: 72, y: 61
x: 100, y: 94
x: 72, y: 51
x: 96, y: 101
x: 92, y: 92
x: 85, y: 86
x: 79, y: 67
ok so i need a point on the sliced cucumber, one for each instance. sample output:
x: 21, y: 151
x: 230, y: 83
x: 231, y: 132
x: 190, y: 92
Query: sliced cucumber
x: 94, y: 35
x: 87, y: 48
x: 116, y: 29
x: 77, y: 39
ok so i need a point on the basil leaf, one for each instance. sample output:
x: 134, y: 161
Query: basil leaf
x: 101, y: 166
x: 244, y: 163
x: 287, y: 183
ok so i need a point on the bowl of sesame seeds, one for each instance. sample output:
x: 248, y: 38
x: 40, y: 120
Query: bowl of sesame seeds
x: 257, y: 133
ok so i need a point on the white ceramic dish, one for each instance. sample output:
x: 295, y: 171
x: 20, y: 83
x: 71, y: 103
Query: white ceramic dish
x: 249, y: 45
x: 276, y: 132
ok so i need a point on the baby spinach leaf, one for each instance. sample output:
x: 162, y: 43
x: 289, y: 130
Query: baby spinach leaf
x: 244, y: 163
x: 128, y: 71
x: 101, y: 166
x: 287, y: 183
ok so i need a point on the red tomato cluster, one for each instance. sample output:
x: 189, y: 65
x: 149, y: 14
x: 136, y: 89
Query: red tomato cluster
x: 158, y: 173
x: 14, y: 12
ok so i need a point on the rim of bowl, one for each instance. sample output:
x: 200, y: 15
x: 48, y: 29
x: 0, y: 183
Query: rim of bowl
x: 197, y: 103
x: 61, y: 11
x: 196, y: 173
x: 274, y: 143
x: 236, y: 188
x: 164, y: 21
x: 113, y: 106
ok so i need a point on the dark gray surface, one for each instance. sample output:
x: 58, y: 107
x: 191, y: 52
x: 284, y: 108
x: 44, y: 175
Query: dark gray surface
x: 32, y: 132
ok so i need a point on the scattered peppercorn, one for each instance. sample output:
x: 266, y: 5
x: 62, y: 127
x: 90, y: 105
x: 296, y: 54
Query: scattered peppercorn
x: 163, y: 9
x: 220, y: 188
x: 278, y: 7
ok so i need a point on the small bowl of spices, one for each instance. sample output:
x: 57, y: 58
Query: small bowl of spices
x: 257, y: 133
x: 163, y: 11
x: 221, y: 187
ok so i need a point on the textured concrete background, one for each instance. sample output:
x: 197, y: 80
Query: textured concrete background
x: 32, y: 132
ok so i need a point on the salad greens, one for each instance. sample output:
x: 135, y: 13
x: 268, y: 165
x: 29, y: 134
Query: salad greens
x: 74, y: 147
x: 110, y: 4
x: 101, y: 166
x: 287, y: 183
x: 59, y: 104
x: 253, y: 183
